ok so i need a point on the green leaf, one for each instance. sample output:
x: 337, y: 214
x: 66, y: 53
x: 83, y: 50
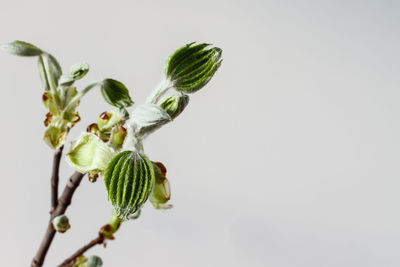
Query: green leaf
x: 129, y: 180
x: 52, y: 69
x: 42, y: 74
x: 191, y: 67
x: 21, y: 48
x: 115, y: 93
x: 89, y: 153
x: 175, y: 104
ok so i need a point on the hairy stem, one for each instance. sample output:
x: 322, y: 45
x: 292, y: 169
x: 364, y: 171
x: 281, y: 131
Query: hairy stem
x: 69, y: 261
x: 55, y: 178
x: 63, y: 203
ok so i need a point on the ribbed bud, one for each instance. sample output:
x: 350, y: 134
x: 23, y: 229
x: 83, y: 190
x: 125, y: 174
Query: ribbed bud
x: 61, y: 223
x: 192, y: 66
x: 175, y: 104
x: 129, y: 179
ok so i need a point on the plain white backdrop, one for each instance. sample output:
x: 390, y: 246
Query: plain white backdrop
x: 288, y: 157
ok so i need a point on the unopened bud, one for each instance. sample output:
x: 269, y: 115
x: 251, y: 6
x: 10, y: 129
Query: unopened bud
x: 161, y: 191
x: 94, y: 261
x: 61, y: 223
x: 192, y: 66
x: 118, y: 134
x: 93, y: 176
x: 175, y: 104
x: 109, y: 119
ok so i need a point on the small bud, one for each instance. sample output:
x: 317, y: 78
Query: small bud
x: 93, y: 176
x: 175, y: 104
x: 61, y: 223
x: 93, y: 128
x: 94, y: 261
x: 192, y: 67
x: 109, y: 119
x: 118, y: 134
x: 47, y: 121
x: 161, y: 191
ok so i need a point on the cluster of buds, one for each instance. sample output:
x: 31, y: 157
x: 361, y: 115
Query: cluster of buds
x: 109, y: 128
x: 61, y: 117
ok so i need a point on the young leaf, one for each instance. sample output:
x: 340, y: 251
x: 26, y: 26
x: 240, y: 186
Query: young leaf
x: 89, y: 153
x: 115, y: 93
x: 21, y: 48
x: 191, y: 67
x: 52, y: 68
x: 42, y: 74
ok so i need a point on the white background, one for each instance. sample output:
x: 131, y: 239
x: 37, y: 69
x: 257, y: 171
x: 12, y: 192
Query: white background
x: 289, y: 156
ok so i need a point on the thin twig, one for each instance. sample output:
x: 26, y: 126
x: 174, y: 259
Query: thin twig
x: 55, y: 178
x: 63, y: 203
x: 68, y: 262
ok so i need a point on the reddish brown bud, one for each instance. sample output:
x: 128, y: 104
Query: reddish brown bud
x: 47, y: 121
x: 161, y: 167
x: 104, y: 116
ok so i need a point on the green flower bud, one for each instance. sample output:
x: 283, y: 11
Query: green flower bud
x: 94, y: 261
x: 175, y: 104
x: 192, y: 66
x: 129, y: 179
x: 109, y: 119
x: 61, y: 223
x: 161, y: 191
x: 117, y: 137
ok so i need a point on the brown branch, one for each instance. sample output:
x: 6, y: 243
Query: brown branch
x: 55, y: 178
x: 63, y: 203
x: 69, y: 261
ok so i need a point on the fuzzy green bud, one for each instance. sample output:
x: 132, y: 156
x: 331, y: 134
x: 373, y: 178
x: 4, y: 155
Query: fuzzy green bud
x: 94, y: 261
x: 175, y: 104
x: 61, y: 223
x: 191, y: 67
x: 129, y: 179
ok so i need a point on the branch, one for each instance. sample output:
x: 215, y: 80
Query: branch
x: 69, y: 261
x: 55, y: 178
x: 62, y: 206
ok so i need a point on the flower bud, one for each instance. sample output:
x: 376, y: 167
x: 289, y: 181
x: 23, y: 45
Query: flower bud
x: 161, y: 192
x: 129, y: 180
x: 94, y: 261
x: 192, y: 67
x: 117, y: 137
x: 175, y: 104
x: 61, y: 223
x: 109, y: 119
